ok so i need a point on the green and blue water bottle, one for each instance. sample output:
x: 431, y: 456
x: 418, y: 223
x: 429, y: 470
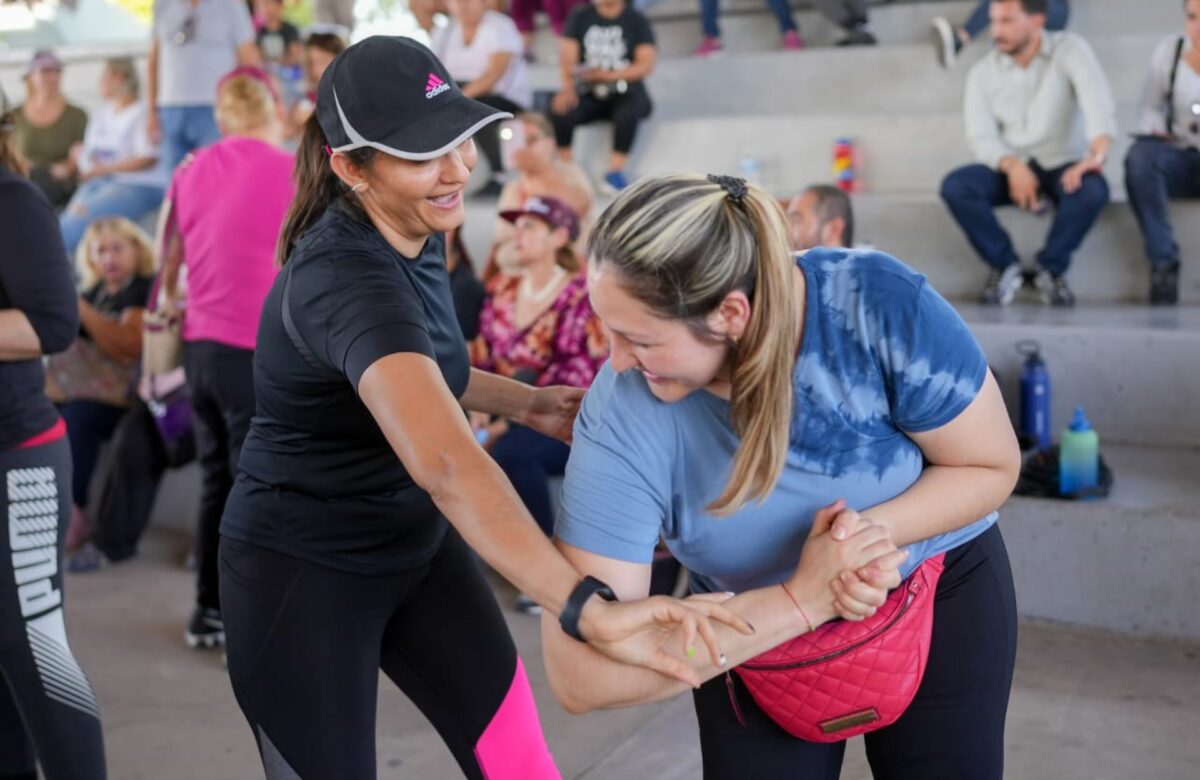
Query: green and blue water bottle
x: 1078, y: 456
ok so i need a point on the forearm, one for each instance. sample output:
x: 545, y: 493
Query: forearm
x: 943, y: 499
x: 481, y: 504
x: 132, y: 165
x: 1098, y: 148
x: 496, y: 395
x: 584, y: 680
x: 117, y: 339
x: 18, y: 340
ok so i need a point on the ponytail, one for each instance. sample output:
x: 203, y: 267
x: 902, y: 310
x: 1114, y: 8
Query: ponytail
x: 682, y: 244
x: 317, y: 188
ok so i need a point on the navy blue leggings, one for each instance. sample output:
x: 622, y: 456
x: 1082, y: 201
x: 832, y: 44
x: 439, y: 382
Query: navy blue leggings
x: 953, y: 729
x: 89, y: 425
x: 529, y: 459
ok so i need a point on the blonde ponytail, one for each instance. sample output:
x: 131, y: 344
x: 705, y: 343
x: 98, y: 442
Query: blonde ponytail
x: 682, y: 243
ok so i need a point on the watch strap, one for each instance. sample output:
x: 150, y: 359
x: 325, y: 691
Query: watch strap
x: 573, y: 609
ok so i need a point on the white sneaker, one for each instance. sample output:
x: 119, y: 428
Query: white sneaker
x: 947, y: 41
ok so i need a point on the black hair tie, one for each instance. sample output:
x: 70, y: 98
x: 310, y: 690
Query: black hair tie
x: 734, y: 187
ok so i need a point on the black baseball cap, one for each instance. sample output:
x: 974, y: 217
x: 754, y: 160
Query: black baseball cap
x: 394, y: 95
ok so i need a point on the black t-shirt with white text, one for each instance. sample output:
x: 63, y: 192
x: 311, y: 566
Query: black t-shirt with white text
x: 317, y: 478
x: 608, y: 44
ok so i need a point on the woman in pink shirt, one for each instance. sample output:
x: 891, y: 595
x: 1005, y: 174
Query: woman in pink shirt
x: 224, y: 211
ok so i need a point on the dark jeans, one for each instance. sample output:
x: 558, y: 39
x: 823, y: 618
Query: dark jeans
x: 972, y: 193
x: 1057, y: 13
x: 710, y: 10
x: 127, y: 494
x: 529, y: 459
x: 625, y: 111
x: 488, y: 136
x: 221, y: 382
x: 89, y: 425
x: 1155, y: 172
x: 954, y: 728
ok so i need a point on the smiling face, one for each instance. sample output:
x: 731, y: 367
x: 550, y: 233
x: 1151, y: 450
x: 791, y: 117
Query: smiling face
x: 675, y: 361
x: 415, y: 197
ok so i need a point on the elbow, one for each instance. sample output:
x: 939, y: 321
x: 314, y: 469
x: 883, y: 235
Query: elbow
x: 567, y: 694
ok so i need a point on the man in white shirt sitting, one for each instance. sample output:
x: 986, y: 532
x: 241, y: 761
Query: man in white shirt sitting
x: 1021, y: 105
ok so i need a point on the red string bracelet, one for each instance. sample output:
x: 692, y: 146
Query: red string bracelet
x: 803, y: 614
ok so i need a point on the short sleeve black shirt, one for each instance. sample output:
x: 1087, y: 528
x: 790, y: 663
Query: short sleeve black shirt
x: 274, y: 43
x: 317, y: 479
x: 608, y: 44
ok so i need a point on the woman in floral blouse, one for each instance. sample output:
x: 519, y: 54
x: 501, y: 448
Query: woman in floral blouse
x: 538, y: 327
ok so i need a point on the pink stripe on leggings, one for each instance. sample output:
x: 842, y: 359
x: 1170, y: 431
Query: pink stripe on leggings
x: 512, y: 746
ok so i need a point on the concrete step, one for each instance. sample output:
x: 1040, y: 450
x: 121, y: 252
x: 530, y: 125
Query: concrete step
x: 1135, y: 369
x: 1128, y: 563
x: 1110, y: 266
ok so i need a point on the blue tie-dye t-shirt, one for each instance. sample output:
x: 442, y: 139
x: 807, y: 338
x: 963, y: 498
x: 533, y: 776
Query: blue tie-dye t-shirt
x: 882, y: 354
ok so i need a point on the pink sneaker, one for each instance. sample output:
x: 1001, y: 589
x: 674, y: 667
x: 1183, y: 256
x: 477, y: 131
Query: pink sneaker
x: 79, y: 531
x: 792, y: 41
x: 707, y: 47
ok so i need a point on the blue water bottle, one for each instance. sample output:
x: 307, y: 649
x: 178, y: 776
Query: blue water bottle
x: 1035, y: 397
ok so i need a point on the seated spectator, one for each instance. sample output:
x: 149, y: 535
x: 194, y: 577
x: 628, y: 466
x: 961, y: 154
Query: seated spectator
x: 465, y: 287
x: 278, y: 39
x: 193, y: 45
x: 538, y: 327
x: 319, y: 50
x: 92, y: 381
x: 117, y: 163
x: 850, y: 15
x: 951, y: 40
x: 47, y: 127
x: 482, y: 50
x: 606, y: 53
x: 225, y: 209
x: 1021, y: 105
x: 529, y: 151
x: 1164, y: 162
x: 820, y: 216
x: 522, y: 12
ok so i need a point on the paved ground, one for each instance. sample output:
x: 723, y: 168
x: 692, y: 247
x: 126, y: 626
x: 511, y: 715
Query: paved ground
x: 1085, y: 705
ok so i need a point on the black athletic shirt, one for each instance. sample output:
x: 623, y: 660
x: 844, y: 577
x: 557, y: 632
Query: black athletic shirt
x: 317, y: 479
x: 35, y: 277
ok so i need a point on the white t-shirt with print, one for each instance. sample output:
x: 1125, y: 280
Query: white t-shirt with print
x: 114, y: 135
x: 496, y: 33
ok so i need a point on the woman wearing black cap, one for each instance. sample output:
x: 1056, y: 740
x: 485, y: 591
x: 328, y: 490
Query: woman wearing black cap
x: 337, y: 558
x: 48, y: 714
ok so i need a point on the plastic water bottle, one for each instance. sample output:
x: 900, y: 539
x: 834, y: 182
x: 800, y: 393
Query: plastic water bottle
x: 1078, y: 456
x: 843, y: 164
x: 1035, y: 397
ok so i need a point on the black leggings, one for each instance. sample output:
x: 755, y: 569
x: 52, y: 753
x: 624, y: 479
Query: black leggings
x: 221, y: 382
x: 625, y: 111
x: 306, y: 644
x: 955, y: 725
x: 488, y: 137
x: 48, y: 713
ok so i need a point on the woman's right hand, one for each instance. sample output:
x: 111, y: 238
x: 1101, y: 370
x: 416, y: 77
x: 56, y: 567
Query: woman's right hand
x: 824, y: 559
x: 637, y: 632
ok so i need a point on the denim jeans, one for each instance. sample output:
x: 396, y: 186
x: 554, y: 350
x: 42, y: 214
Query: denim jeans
x: 710, y: 10
x: 1156, y: 171
x: 185, y: 129
x: 972, y: 193
x: 529, y: 459
x: 1057, y: 13
x: 105, y: 198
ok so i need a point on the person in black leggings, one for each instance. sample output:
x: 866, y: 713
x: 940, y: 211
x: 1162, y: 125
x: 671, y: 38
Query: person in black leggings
x: 337, y: 557
x: 48, y: 713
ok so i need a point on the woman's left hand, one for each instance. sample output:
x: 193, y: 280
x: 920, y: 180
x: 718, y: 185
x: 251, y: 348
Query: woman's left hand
x: 857, y: 594
x: 551, y: 411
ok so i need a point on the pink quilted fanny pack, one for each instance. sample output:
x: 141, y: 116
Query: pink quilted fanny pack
x: 848, y: 678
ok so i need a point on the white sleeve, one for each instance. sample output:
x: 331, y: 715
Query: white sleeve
x: 1152, y: 103
x: 508, y: 38
x: 140, y: 143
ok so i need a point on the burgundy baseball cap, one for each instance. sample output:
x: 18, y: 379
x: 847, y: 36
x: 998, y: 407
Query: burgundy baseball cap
x: 394, y: 95
x: 550, y: 210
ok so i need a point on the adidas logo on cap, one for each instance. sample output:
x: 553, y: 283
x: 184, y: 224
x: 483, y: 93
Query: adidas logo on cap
x: 434, y: 86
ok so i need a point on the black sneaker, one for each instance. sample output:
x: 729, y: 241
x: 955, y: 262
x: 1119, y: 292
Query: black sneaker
x: 205, y: 630
x: 1002, y: 285
x: 489, y: 191
x: 1053, y: 289
x: 1164, y: 285
x: 858, y: 37
x: 527, y: 606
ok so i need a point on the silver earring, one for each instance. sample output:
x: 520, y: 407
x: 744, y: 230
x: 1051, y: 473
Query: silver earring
x: 362, y: 185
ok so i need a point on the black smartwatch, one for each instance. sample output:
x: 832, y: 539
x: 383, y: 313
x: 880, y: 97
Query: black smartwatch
x: 587, y: 587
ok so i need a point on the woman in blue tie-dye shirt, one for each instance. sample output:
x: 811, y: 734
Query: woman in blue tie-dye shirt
x: 747, y: 391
